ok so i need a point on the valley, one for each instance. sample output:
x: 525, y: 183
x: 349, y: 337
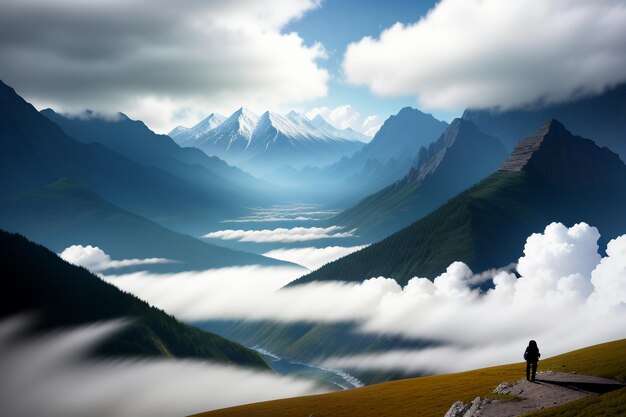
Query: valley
x: 312, y: 208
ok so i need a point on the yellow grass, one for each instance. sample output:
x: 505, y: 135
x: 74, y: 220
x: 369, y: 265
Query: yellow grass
x: 433, y: 395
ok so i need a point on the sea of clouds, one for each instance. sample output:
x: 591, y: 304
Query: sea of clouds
x: 565, y: 295
x: 282, y: 234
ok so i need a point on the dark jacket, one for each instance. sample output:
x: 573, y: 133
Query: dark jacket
x: 532, y: 352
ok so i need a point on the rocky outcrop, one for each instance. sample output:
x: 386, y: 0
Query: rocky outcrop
x: 555, y: 156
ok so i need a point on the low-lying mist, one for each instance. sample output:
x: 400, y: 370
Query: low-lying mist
x: 53, y: 375
x: 566, y: 296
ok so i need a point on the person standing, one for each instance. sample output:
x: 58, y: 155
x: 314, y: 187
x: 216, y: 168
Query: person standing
x: 531, y: 355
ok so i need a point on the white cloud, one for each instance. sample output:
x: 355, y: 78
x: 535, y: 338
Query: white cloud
x: 285, y: 212
x: 165, y: 63
x: 50, y: 377
x: 95, y: 259
x: 295, y: 234
x: 567, y: 297
x: 253, y: 293
x: 486, y: 53
x: 609, y: 277
x: 312, y: 258
x: 346, y: 116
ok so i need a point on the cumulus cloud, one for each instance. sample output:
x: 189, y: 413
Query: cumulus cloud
x: 566, y: 297
x: 295, y: 234
x: 163, y: 62
x: 95, y: 259
x: 50, y: 375
x: 487, y: 53
x: 346, y: 116
x: 312, y: 258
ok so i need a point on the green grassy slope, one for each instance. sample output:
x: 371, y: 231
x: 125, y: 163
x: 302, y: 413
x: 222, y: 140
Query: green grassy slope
x: 36, y: 279
x: 433, y: 395
x: 485, y: 227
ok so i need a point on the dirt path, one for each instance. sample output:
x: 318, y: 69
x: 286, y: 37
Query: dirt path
x: 549, y: 390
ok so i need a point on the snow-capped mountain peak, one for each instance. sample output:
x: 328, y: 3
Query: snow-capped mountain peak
x: 244, y: 121
x: 187, y: 136
x: 211, y: 122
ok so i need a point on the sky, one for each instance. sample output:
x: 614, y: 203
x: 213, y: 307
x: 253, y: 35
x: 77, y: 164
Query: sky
x: 355, y: 62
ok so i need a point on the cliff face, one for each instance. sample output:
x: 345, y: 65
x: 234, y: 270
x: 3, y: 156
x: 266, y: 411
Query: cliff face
x: 554, y: 155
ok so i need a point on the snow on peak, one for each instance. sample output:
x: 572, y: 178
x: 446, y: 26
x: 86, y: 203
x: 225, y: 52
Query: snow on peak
x: 242, y: 121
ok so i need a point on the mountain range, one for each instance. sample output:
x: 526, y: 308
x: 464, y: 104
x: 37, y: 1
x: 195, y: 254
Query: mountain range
x: 387, y: 158
x: 550, y: 176
x: 35, y: 152
x: 462, y: 156
x: 66, y: 213
x: 134, y: 140
x: 59, y: 191
x: 263, y: 143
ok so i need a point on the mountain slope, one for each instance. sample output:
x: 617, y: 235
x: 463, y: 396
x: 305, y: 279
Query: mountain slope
x: 391, y: 153
x: 278, y: 141
x: 387, y: 158
x: 461, y: 157
x: 187, y: 136
x: 403, y: 134
x: 602, y: 118
x: 432, y: 396
x: 65, y: 213
x: 35, y: 279
x: 133, y: 139
x: 231, y: 137
x: 34, y: 151
x: 564, y: 178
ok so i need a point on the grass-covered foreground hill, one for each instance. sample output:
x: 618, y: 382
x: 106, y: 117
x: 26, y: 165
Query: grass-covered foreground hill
x: 433, y: 395
x: 35, y: 279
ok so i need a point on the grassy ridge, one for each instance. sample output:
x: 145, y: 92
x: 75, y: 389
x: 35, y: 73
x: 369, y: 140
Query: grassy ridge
x: 433, y: 395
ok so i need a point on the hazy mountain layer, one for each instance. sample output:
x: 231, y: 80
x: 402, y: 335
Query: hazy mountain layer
x: 462, y: 156
x: 133, y: 139
x: 65, y: 213
x: 34, y: 152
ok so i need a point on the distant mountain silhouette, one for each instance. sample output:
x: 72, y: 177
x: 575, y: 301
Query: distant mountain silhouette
x: 387, y: 158
x: 552, y: 176
x: 65, y: 213
x: 462, y: 156
x: 133, y: 139
x: 602, y: 118
x: 37, y: 280
x: 34, y: 152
